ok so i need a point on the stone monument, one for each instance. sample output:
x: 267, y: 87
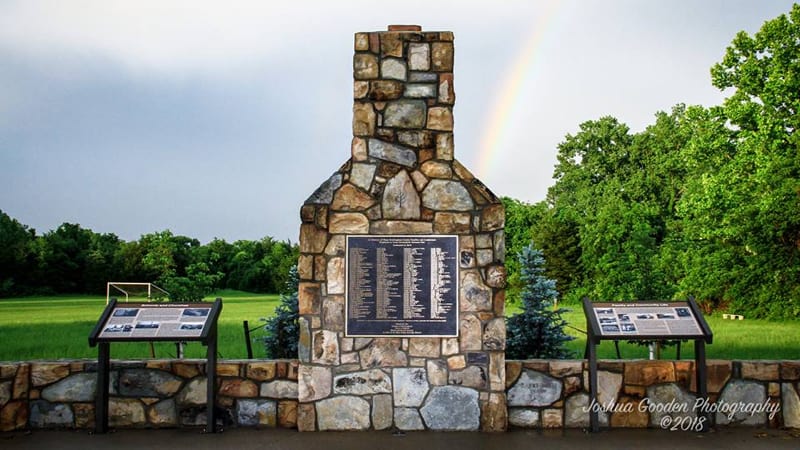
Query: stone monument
x: 401, y: 264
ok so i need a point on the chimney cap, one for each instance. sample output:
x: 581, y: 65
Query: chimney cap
x: 405, y: 28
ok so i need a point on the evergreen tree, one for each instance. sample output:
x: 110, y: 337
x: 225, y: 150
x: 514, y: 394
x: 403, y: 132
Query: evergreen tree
x: 538, y: 331
x: 282, y: 329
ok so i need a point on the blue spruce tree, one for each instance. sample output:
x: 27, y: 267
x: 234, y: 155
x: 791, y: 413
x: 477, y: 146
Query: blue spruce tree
x: 538, y: 331
x: 282, y: 329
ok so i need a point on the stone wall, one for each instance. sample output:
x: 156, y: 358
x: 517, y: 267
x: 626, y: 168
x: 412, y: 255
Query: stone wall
x: 634, y: 394
x: 401, y: 179
x: 157, y: 393
x: 541, y: 394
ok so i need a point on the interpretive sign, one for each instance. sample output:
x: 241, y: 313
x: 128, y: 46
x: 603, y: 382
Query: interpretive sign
x: 401, y: 286
x: 628, y: 320
x: 147, y: 321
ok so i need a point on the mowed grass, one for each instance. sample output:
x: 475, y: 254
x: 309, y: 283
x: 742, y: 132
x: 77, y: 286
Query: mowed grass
x: 58, y: 327
x: 733, y: 339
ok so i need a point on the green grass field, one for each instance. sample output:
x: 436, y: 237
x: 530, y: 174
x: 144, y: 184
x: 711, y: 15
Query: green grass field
x: 58, y: 328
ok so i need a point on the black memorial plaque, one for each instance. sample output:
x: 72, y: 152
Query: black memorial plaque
x: 669, y: 320
x: 402, y: 286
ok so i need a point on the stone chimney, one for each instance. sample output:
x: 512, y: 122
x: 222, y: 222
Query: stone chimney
x: 401, y: 263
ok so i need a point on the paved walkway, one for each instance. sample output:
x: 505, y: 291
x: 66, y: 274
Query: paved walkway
x: 248, y: 438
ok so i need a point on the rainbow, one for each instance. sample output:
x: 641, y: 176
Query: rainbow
x: 509, y: 99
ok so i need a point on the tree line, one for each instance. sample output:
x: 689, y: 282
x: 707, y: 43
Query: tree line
x: 73, y: 259
x: 704, y: 202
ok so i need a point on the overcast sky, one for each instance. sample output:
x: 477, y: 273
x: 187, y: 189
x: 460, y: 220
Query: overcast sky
x: 218, y: 118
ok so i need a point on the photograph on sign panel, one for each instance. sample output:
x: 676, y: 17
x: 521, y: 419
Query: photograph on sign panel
x: 126, y: 312
x: 607, y: 320
x: 192, y: 326
x: 645, y: 316
x: 196, y: 312
x: 683, y: 312
x: 665, y: 316
x: 148, y: 324
x: 624, y: 317
x: 604, y: 311
x: 119, y: 328
x: 611, y: 328
x: 627, y: 327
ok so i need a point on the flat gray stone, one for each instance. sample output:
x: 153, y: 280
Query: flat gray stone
x: 472, y: 376
x: 148, y: 383
x: 407, y: 419
x: 668, y: 400
x: 279, y: 389
x: 361, y: 175
x: 343, y: 413
x: 163, y: 413
x: 576, y: 412
x: 405, y: 114
x: 194, y: 393
x: 324, y: 193
x: 738, y: 394
x: 420, y: 90
x: 367, y: 382
x: 79, y: 387
x: 44, y: 414
x: 523, y: 418
x: 534, y: 389
x: 400, y: 198
x: 790, y: 405
x: 392, y: 152
x: 313, y: 383
x: 494, y: 335
x: 251, y: 413
x: 608, y: 386
x: 475, y: 294
x: 452, y: 408
x: 423, y: 76
x: 394, y: 69
x: 304, y: 343
x: 382, y: 353
x: 410, y: 386
x: 446, y: 195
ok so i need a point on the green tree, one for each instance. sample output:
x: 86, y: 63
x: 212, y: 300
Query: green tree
x: 283, y: 330
x: 16, y: 242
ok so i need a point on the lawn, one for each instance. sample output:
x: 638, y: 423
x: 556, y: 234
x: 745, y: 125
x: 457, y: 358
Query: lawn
x: 58, y: 327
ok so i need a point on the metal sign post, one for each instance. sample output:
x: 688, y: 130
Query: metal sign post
x: 645, y: 321
x: 155, y: 322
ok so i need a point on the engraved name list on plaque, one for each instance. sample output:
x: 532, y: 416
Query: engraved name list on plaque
x: 402, y: 286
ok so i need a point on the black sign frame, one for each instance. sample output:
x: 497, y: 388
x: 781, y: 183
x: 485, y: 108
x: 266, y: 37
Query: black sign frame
x: 208, y: 337
x: 595, y: 335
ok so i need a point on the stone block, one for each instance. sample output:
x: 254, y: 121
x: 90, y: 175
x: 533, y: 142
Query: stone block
x: 451, y: 223
x: 669, y: 400
x: 400, y: 198
x: 279, y: 389
x: 80, y: 387
x: 407, y: 419
x: 194, y: 393
x: 253, y: 413
x: 351, y: 198
x: 496, y: 276
x: 387, y: 151
x: 312, y: 238
x: 366, y: 382
x: 446, y: 195
x: 420, y: 91
x: 148, y: 383
x: 325, y: 347
x: 494, y: 334
x: 383, y: 352
x: 790, y: 406
x: 348, y: 223
x: 394, y: 69
x: 442, y: 56
x: 523, y: 418
x: 409, y: 386
x: 419, y: 56
x: 564, y: 368
x: 646, y: 373
x: 513, y: 371
x: 497, y: 371
x: 314, y: 383
x: 382, y: 90
x: 440, y: 118
x: 790, y: 370
x: 552, y: 418
x: 261, y: 371
x: 14, y: 416
x: 343, y: 413
x: 425, y: 347
x: 493, y: 217
x: 400, y: 227
x: 163, y: 414
x: 238, y: 387
x: 45, y: 373
x: 447, y: 94
x: 627, y: 414
x: 306, y: 417
x: 44, y: 414
x: 437, y: 372
x: 534, y: 389
x: 475, y: 295
x: 391, y: 44
x: 84, y: 415
x: 382, y: 411
x: 365, y: 66
x: 451, y: 408
x: 125, y: 412
x: 740, y: 392
x: 187, y: 370
x: 437, y: 169
x: 608, y: 386
x: 470, y: 333
x: 287, y: 414
x: 760, y: 370
x: 407, y: 114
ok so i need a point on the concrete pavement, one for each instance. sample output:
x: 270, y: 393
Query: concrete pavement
x: 268, y: 439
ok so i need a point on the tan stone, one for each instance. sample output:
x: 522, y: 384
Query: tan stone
x: 562, y: 368
x: 333, y: 312
x: 628, y: 415
x: 307, y: 213
x: 349, y: 223
x: 187, y: 370
x: 539, y: 365
x: 361, y: 42
x: 261, y: 371
x: 420, y: 181
x: 335, y: 246
x: 571, y: 384
x: 493, y: 217
x: 358, y: 149
x: 442, y: 56
x: 496, y: 276
x: 351, y: 198
x: 312, y: 238
x: 287, y: 414
x: 125, y: 412
x: 305, y: 267
x: 400, y: 227
x: 391, y: 44
x: 14, y: 416
x: 436, y: 169
x: 646, y: 373
x: 427, y: 347
x: 360, y: 89
x: 638, y: 391
x: 760, y: 370
x: 400, y: 198
x: 513, y: 369
x: 21, y: 383
x: 306, y: 417
x: 308, y: 298
x: 494, y: 414
x: 456, y: 362
x: 320, y: 268
x: 449, y: 346
x: 440, y: 118
x: 470, y: 333
x: 385, y: 90
x: 321, y: 217
x: 46, y: 373
x: 84, y: 415
x: 774, y: 389
x: 335, y: 276
x: 499, y: 303
x: 462, y: 171
x: 314, y: 383
x: 363, y: 119
x: 415, y: 138
x: 497, y: 371
x: 383, y: 352
x: 451, y: 223
x: 790, y: 370
x: 552, y: 418
x: 7, y: 371
x: 325, y: 347
x: 446, y: 93
x: 444, y: 146
x: 228, y: 369
x: 437, y: 372
x: 365, y: 66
